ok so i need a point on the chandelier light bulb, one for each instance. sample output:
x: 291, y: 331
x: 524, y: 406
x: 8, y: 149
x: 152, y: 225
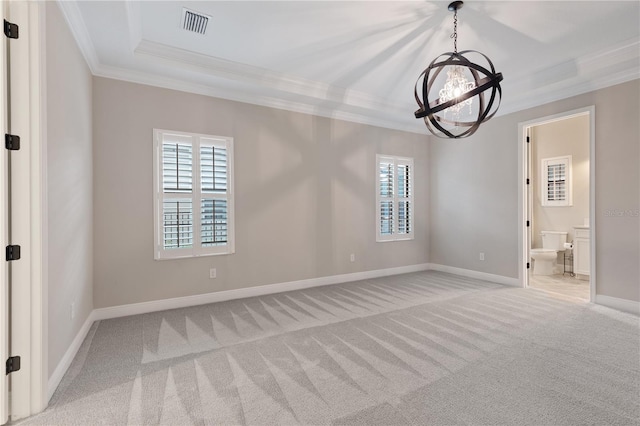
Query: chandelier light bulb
x: 455, y: 86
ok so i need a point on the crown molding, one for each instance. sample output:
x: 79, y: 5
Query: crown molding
x: 585, y: 74
x: 541, y: 98
x: 334, y: 112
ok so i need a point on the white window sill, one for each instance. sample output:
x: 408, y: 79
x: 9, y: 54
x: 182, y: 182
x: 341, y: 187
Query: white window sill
x: 191, y: 256
x: 391, y: 240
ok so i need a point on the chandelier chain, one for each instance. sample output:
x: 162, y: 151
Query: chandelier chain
x: 454, y: 36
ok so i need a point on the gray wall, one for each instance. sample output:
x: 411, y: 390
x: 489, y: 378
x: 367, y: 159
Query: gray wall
x: 560, y: 138
x: 69, y: 185
x: 305, y: 195
x: 474, y: 189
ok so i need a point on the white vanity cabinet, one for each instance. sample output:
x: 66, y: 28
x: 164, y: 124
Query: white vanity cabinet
x: 581, y: 251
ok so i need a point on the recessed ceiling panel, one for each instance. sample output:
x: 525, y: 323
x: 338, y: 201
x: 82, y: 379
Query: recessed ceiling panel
x: 358, y: 58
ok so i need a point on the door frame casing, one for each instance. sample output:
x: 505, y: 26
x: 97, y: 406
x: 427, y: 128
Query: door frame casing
x: 4, y: 278
x: 524, y: 202
x: 29, y: 309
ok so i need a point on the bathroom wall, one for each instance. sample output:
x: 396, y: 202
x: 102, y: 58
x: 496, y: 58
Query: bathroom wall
x: 560, y: 138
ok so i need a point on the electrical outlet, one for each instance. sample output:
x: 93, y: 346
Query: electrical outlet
x: 73, y: 310
x: 212, y: 273
x: 481, y: 256
x: 352, y: 257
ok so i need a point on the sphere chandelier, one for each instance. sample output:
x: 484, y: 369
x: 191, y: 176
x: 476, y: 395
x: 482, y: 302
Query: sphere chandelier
x: 463, y: 92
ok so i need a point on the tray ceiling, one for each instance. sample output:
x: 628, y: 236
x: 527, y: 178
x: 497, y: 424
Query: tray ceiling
x: 359, y: 60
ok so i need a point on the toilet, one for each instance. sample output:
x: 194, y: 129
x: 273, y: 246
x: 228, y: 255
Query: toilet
x: 545, y: 257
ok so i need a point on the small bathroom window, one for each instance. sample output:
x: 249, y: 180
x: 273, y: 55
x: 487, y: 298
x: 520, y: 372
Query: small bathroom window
x: 556, y: 181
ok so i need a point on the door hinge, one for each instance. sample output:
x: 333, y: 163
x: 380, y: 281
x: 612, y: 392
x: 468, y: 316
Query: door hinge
x: 13, y: 364
x: 13, y: 253
x: 527, y: 181
x: 12, y: 142
x: 528, y: 265
x: 527, y: 224
x: 10, y: 29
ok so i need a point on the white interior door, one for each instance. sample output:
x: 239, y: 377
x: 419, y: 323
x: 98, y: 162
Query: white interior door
x: 4, y: 282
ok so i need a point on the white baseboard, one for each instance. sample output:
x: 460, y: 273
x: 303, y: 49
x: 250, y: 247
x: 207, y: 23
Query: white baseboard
x: 619, y: 304
x: 220, y: 296
x: 500, y: 279
x: 69, y: 355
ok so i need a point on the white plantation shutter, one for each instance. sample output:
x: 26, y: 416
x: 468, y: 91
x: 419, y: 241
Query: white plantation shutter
x: 404, y: 203
x: 385, y: 195
x: 556, y: 182
x: 193, y: 195
x: 177, y: 166
x: 213, y: 165
x: 177, y: 223
x: 556, y: 179
x: 214, y: 229
x: 394, y: 198
x: 386, y: 217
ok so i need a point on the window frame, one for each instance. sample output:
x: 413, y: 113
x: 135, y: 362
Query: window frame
x: 395, y: 199
x: 544, y: 181
x: 196, y: 196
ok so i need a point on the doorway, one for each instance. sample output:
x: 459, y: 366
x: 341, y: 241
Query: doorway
x: 557, y: 202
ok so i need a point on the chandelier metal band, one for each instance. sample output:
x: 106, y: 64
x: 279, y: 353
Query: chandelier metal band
x: 428, y: 110
x: 459, y: 91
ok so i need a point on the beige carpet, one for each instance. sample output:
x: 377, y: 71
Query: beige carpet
x: 426, y: 348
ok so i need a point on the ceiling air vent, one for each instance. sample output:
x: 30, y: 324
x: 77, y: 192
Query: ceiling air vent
x: 194, y: 21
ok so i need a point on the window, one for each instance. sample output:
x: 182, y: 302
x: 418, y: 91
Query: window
x: 394, y: 198
x: 193, y: 194
x: 556, y: 181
